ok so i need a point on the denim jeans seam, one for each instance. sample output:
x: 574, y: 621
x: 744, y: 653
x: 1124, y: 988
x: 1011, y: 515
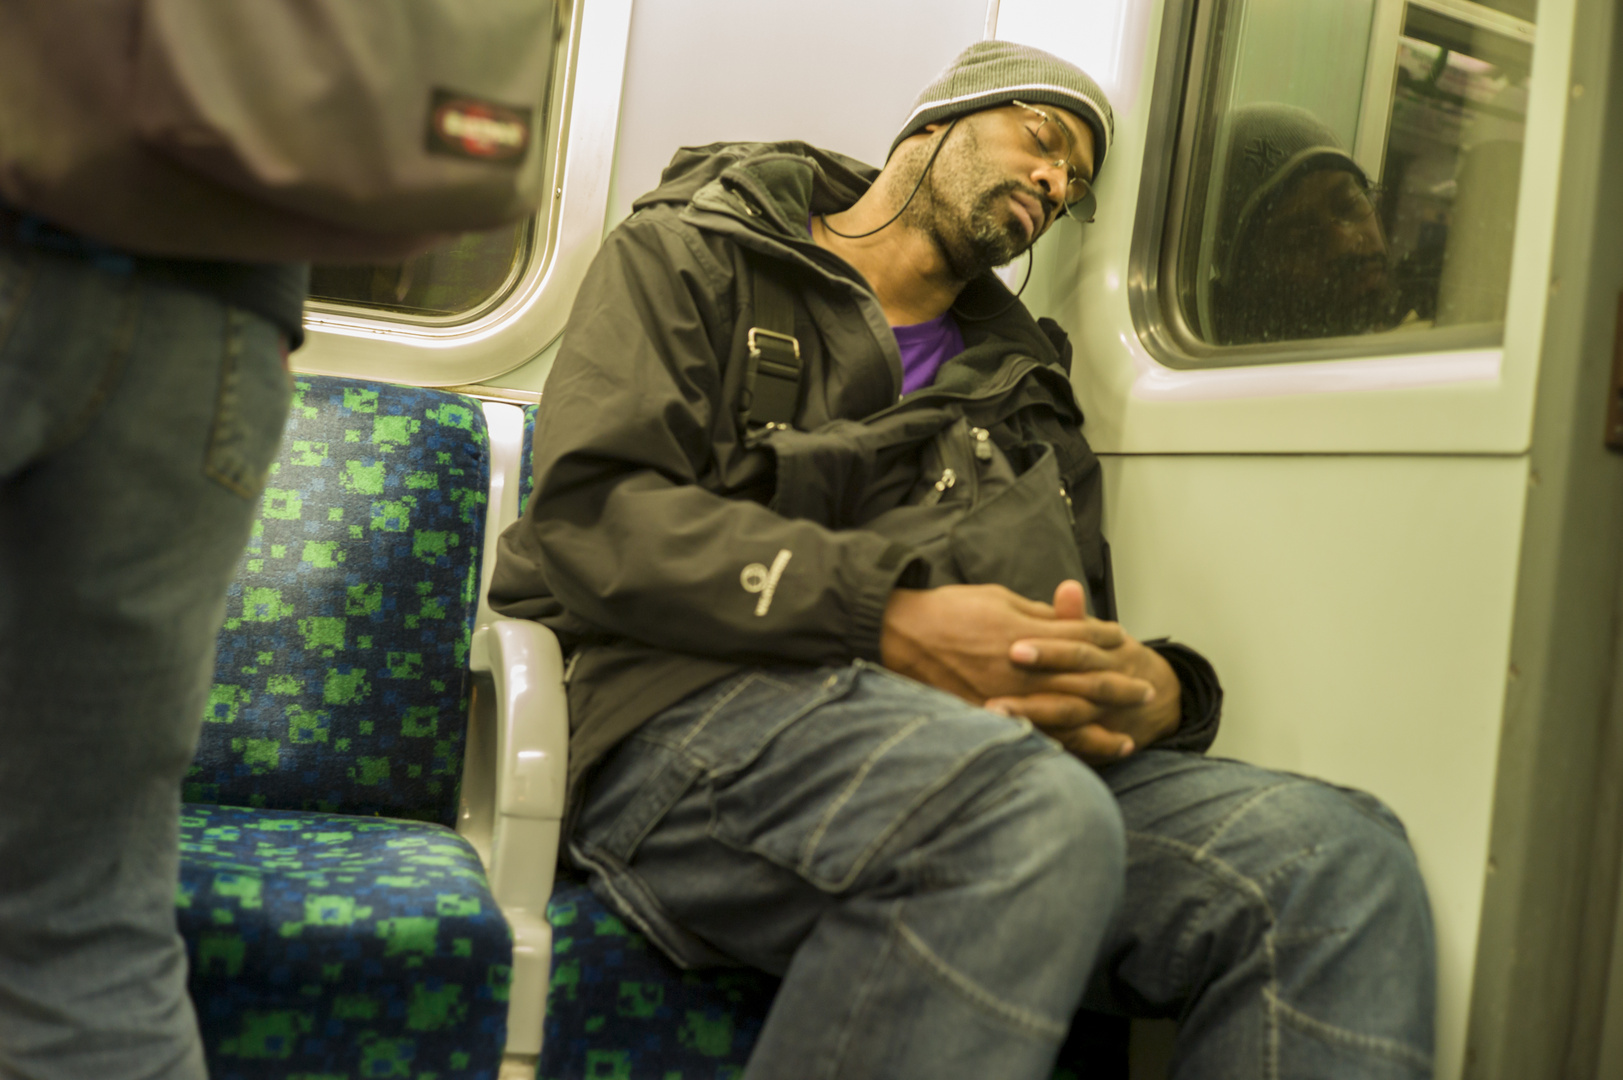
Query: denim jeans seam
x: 859, y: 999
x: 613, y: 873
x: 917, y: 865
x: 226, y: 410
x: 1287, y: 864
x: 1219, y: 868
x: 1330, y: 1032
x: 1244, y: 808
x: 1021, y: 1021
x: 649, y: 806
x: 1278, y: 1009
x: 714, y: 771
x: 860, y: 862
x: 1220, y: 873
x: 808, y: 848
x: 722, y: 702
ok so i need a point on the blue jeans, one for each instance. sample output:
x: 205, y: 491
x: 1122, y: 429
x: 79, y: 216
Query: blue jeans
x: 137, y: 423
x: 941, y: 888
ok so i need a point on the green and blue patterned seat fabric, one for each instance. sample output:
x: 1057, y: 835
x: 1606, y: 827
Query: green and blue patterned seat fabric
x: 619, y: 1009
x: 341, y: 682
x: 526, y: 470
x: 325, y: 945
x: 325, y: 940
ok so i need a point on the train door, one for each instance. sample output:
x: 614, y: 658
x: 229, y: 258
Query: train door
x: 1347, y: 316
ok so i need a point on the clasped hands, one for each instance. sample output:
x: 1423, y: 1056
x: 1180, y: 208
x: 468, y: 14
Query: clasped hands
x: 1084, y: 681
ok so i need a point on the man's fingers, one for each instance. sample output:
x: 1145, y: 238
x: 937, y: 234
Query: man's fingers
x: 1035, y: 609
x: 1070, y: 602
x: 1051, y: 712
x: 1057, y: 648
x: 1111, y: 689
x: 1098, y: 745
x: 1051, y: 654
x: 1073, y: 722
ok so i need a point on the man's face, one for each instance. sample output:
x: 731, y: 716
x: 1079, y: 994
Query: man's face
x: 1327, y: 234
x: 999, y: 182
x: 1326, y: 256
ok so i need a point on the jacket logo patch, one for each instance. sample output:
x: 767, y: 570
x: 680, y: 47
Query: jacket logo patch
x: 757, y: 578
x: 470, y: 127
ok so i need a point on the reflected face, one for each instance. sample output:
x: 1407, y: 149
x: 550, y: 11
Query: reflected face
x: 1317, y: 265
x: 999, y: 183
x: 1326, y: 232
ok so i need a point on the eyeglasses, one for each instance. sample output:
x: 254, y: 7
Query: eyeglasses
x: 1079, y: 203
x: 1348, y: 206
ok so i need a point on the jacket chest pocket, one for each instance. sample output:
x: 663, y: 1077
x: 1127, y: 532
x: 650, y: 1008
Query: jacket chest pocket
x: 1021, y: 537
x: 978, y: 517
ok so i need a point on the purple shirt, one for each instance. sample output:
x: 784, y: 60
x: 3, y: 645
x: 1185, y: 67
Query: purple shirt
x: 925, y: 347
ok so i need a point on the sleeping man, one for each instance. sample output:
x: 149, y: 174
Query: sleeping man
x: 815, y: 521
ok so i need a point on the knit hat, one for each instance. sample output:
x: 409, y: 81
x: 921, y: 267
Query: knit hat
x: 1269, y: 145
x: 993, y: 73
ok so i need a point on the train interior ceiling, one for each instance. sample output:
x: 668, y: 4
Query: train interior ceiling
x: 1379, y: 500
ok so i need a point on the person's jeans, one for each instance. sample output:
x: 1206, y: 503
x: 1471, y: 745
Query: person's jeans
x: 137, y: 423
x: 936, y: 884
x: 835, y: 827
x: 1281, y: 920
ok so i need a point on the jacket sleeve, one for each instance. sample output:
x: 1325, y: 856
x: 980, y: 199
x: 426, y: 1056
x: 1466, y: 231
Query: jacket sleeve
x: 1200, y: 697
x: 620, y: 531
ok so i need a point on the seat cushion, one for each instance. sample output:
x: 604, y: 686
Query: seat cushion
x: 617, y: 1008
x: 335, y: 946
x: 341, y: 682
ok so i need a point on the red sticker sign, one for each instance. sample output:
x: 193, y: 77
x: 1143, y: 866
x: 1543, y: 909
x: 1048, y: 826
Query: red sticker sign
x: 477, y: 129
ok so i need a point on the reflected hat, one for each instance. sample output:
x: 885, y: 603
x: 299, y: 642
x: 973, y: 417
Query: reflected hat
x: 993, y: 73
x: 1268, y: 146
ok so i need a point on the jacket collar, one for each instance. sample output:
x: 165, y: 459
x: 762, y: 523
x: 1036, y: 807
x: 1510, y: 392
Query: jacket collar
x: 763, y: 193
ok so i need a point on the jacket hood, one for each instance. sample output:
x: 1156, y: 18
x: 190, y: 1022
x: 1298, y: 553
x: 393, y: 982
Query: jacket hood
x: 777, y: 184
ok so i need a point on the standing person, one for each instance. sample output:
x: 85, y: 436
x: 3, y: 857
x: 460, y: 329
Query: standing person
x: 141, y: 404
x: 927, y: 783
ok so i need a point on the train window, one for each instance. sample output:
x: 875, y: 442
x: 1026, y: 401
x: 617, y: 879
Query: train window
x: 468, y: 275
x: 1348, y: 169
x: 465, y: 278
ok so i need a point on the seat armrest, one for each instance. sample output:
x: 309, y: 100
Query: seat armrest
x: 532, y: 761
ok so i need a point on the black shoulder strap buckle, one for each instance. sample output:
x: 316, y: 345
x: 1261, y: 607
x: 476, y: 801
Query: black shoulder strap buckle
x: 772, y: 380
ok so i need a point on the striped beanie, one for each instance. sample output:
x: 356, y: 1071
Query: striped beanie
x: 992, y: 73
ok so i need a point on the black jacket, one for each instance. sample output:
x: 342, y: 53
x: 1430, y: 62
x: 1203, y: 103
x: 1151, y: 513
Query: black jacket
x: 655, y: 519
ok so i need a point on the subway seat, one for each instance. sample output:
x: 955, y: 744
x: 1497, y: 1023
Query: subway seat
x: 337, y: 926
x: 618, y: 1009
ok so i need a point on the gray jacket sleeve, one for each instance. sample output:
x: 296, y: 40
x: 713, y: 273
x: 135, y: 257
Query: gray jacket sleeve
x: 624, y: 536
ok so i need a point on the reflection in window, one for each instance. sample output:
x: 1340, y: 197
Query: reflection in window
x: 1367, y: 191
x: 474, y: 271
x: 1453, y: 163
x: 1299, y: 250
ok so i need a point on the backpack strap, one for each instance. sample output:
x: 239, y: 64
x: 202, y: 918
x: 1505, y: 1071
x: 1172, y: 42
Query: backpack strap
x: 772, y: 379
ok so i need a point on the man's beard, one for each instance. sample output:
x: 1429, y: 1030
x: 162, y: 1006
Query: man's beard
x: 1269, y: 302
x: 986, y: 234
